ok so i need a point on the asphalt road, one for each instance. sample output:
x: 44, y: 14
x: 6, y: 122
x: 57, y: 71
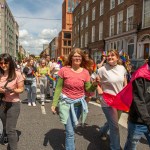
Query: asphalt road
x: 39, y: 129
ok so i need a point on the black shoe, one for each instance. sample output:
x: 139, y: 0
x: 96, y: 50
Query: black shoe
x: 103, y: 136
x: 48, y: 96
x: 4, y: 140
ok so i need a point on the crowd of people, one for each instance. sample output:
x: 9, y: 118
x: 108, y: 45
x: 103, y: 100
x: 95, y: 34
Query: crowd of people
x: 74, y: 80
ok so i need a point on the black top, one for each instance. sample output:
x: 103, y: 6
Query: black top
x: 29, y: 72
x: 140, y: 108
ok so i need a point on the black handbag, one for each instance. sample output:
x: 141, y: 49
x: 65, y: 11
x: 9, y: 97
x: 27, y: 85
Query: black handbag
x: 2, y: 95
x: 28, y: 82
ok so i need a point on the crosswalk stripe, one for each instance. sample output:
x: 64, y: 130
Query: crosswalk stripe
x: 43, y: 110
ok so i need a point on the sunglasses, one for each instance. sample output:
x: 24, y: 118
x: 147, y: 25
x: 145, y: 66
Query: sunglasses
x: 4, y: 63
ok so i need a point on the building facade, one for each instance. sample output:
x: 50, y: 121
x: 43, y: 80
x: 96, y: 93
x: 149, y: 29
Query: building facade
x: 53, y: 46
x: 65, y: 35
x: 100, y: 25
x: 8, y: 33
x: 16, y: 39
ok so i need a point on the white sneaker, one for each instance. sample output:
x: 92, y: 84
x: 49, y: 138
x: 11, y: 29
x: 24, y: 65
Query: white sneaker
x: 29, y: 104
x: 42, y: 103
x: 33, y: 104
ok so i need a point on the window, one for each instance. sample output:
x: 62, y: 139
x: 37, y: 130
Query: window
x: 86, y: 21
x: 75, y: 18
x: 112, y: 45
x: 67, y: 35
x: 112, y: 19
x: 82, y: 10
x: 120, y: 1
x: 101, y: 7
x: 131, y: 48
x: 112, y: 4
x: 81, y: 41
x: 130, y: 13
x: 101, y: 30
x: 146, y: 13
x: 75, y: 31
x: 78, y: 28
x: 86, y: 39
x: 119, y: 22
x: 69, y: 43
x: 93, y: 34
x: 93, y: 14
x: 82, y: 22
x: 65, y: 43
x: 87, y: 6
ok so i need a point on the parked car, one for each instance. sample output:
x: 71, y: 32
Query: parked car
x: 136, y: 63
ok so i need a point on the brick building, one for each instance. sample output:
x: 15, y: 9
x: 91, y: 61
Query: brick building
x: 65, y: 35
x: 112, y: 24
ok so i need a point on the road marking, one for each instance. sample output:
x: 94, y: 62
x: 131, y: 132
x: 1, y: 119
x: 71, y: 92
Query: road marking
x: 96, y: 104
x: 43, y: 110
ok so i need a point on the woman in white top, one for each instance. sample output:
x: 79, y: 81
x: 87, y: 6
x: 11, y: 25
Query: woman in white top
x: 54, y: 71
x: 112, y: 80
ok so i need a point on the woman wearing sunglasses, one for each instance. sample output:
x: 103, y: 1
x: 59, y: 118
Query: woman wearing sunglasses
x: 10, y: 109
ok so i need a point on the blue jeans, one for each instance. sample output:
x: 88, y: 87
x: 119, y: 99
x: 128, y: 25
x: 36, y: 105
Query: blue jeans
x: 112, y: 125
x: 135, y: 132
x: 31, y: 90
x: 69, y: 127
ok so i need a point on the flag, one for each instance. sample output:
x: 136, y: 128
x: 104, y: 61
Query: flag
x: 104, y: 53
x: 51, y: 78
x: 123, y: 100
x: 121, y: 52
x: 61, y: 61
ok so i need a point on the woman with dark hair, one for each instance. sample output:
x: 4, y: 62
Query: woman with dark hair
x: 30, y: 82
x: 11, y: 102
x: 73, y: 81
x: 139, y: 113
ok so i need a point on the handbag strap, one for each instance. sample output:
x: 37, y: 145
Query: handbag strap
x: 7, y: 83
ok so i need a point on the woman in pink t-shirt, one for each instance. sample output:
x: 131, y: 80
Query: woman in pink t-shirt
x: 73, y: 81
x: 10, y: 103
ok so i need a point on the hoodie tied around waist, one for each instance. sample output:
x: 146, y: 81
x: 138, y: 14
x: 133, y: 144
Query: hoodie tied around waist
x: 66, y: 105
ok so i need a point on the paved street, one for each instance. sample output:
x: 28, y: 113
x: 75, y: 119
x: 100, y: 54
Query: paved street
x: 39, y: 129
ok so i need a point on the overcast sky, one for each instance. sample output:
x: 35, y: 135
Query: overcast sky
x: 34, y: 33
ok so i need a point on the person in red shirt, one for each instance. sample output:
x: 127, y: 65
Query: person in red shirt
x: 73, y: 81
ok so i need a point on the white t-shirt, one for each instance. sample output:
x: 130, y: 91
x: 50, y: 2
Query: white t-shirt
x: 112, y: 78
x: 56, y: 68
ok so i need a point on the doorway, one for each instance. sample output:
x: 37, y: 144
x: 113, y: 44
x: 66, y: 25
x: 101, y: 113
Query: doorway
x: 146, y: 50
